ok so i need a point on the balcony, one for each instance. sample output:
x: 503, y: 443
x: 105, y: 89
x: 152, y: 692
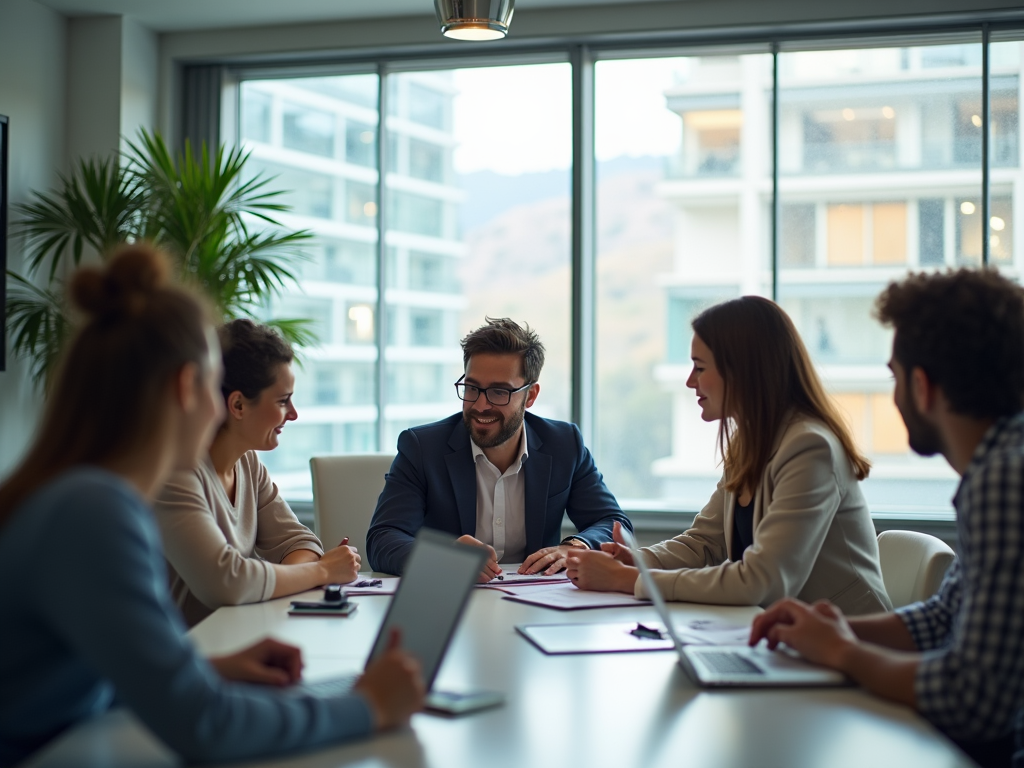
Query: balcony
x: 721, y: 162
x: 849, y: 156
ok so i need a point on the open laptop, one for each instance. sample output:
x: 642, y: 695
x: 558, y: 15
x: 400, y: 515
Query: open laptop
x: 734, y: 665
x: 431, y: 598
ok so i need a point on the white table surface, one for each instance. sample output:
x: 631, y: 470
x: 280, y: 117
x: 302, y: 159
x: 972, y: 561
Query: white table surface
x: 625, y: 710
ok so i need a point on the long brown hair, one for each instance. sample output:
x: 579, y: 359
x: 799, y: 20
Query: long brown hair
x: 767, y: 374
x: 138, y: 331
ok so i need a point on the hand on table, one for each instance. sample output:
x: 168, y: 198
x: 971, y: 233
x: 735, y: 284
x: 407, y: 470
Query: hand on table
x: 549, y: 560
x: 268, y: 662
x: 618, y: 548
x: 341, y: 564
x: 819, y: 632
x: 393, y: 685
x: 600, y: 572
x: 491, y: 568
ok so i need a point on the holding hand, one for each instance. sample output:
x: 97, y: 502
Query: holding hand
x: 819, y: 633
x: 269, y: 662
x: 600, y: 572
x: 491, y: 568
x: 393, y: 685
x: 618, y: 548
x: 341, y: 564
x: 550, y: 560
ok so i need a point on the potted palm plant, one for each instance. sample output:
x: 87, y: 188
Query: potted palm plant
x: 217, y: 222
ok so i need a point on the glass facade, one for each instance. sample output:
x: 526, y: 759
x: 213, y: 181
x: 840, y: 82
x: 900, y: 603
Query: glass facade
x: 879, y: 172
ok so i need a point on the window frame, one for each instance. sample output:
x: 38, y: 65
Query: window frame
x: 582, y: 53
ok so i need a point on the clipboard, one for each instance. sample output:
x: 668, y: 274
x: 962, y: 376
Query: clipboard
x: 619, y: 637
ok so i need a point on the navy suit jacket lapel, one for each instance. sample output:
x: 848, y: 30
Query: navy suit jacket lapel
x: 538, y: 477
x: 462, y: 472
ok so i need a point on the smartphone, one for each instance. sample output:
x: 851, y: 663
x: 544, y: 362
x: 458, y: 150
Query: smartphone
x: 452, y: 703
x: 321, y: 608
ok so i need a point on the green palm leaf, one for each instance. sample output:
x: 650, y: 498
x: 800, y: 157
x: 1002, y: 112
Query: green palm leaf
x: 298, y: 331
x: 37, y: 323
x: 204, y: 210
x: 99, y: 205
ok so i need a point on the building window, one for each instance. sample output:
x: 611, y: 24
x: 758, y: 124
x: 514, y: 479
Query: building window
x: 879, y: 172
x: 308, y: 130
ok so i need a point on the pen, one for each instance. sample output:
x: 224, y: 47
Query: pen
x: 344, y: 542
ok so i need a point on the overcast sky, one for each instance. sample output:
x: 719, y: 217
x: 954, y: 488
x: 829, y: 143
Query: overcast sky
x: 514, y: 120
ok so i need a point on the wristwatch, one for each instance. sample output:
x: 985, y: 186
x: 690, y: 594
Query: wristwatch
x: 575, y: 542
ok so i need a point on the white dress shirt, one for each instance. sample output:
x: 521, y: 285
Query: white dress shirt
x: 501, y: 504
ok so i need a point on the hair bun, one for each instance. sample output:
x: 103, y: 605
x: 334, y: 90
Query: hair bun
x: 122, y: 288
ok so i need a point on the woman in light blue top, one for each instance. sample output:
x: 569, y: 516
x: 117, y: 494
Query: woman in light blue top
x: 137, y: 397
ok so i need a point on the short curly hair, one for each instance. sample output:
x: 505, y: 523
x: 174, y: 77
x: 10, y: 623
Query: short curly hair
x: 502, y: 336
x: 965, y: 330
x: 252, y: 354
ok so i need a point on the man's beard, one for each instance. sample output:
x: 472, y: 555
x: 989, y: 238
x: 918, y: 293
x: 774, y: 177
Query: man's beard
x: 924, y: 438
x: 506, y: 432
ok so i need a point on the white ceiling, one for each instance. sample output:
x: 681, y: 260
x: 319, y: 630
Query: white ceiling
x: 177, y: 15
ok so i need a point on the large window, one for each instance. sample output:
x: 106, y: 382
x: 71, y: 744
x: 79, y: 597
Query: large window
x: 877, y: 170
x: 683, y: 169
x: 882, y: 155
x: 475, y: 222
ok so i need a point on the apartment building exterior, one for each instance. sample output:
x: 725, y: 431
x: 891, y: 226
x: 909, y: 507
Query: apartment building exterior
x: 318, y: 137
x: 879, y: 173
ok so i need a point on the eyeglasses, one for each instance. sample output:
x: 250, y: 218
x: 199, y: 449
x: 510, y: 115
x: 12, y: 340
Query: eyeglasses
x: 495, y: 395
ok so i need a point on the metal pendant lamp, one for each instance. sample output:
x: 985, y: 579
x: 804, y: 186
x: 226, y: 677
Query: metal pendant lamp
x: 474, y: 19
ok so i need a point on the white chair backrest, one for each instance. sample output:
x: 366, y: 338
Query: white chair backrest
x: 345, y: 491
x: 913, y: 565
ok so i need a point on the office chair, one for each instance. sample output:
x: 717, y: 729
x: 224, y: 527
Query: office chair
x: 345, y: 491
x: 913, y: 565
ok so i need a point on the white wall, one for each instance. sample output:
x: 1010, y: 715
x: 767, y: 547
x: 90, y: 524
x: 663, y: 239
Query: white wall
x: 71, y: 89
x: 32, y: 88
x: 112, y: 83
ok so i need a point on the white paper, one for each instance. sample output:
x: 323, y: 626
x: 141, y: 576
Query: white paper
x: 389, y: 585
x: 509, y: 576
x: 565, y: 597
x: 711, y: 632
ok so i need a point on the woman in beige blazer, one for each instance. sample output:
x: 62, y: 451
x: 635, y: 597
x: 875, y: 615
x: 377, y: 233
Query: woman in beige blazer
x: 788, y: 517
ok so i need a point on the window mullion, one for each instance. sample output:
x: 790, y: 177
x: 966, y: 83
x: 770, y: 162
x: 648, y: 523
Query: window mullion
x: 776, y: 201
x: 381, y: 389
x: 986, y: 132
x: 583, y: 261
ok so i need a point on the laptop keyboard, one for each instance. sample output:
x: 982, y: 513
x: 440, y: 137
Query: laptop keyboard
x: 334, y: 687
x: 729, y: 663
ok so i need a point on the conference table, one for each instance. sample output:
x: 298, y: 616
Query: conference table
x: 586, y: 710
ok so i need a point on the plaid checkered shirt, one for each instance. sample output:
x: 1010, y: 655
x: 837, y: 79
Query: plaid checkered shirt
x: 970, y: 682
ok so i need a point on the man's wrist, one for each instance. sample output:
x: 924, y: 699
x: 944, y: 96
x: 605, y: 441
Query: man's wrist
x: 574, y: 542
x: 848, y: 656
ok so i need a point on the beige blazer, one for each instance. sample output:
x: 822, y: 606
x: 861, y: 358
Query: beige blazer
x: 813, y: 535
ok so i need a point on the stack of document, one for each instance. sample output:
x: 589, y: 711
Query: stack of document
x: 510, y: 576
x: 565, y: 596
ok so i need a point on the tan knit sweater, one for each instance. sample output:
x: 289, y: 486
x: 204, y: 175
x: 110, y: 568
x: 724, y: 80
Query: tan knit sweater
x: 219, y: 553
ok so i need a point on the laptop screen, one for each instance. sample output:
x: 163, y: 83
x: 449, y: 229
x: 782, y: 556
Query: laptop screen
x: 651, y: 588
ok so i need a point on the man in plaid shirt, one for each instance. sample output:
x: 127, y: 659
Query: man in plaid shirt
x: 958, y: 658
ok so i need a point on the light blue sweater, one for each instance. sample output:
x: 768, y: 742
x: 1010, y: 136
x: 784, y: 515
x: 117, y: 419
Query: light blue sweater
x: 87, y: 617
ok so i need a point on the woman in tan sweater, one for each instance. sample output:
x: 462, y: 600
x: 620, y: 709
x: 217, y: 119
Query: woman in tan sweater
x: 788, y: 517
x: 228, y: 535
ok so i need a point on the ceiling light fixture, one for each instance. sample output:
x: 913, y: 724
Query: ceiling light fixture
x: 474, y: 19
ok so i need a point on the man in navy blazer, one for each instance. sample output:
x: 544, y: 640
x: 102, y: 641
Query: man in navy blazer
x: 494, y: 475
